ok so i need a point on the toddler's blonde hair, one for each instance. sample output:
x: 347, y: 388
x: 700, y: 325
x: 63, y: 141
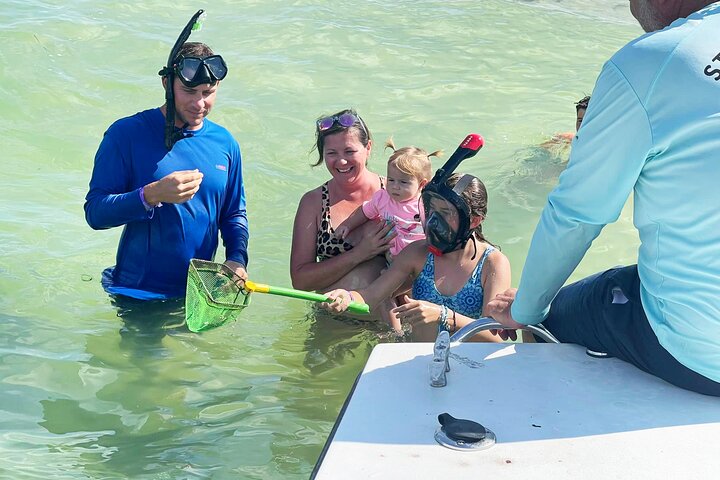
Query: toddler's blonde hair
x: 412, y: 160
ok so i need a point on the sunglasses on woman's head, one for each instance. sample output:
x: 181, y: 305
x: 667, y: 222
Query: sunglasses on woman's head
x: 345, y: 120
x: 193, y: 71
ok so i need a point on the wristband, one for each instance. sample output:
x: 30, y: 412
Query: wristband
x: 454, y: 322
x: 147, y: 206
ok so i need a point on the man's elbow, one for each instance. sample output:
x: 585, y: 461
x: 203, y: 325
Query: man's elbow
x: 92, y: 220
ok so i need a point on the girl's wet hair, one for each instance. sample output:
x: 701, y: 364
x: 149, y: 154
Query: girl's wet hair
x: 359, y: 127
x: 475, y: 195
x: 412, y: 160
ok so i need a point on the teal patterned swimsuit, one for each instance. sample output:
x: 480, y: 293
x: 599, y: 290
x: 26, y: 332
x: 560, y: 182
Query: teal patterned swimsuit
x: 468, y: 301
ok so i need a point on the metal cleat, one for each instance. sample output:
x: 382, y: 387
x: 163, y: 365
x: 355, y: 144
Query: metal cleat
x: 440, y: 364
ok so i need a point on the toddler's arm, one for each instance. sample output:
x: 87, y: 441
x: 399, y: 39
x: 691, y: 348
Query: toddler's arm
x: 355, y: 219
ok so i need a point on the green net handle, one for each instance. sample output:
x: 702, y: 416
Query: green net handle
x: 354, y: 307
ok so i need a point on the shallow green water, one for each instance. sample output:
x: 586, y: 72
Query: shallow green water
x: 85, y: 393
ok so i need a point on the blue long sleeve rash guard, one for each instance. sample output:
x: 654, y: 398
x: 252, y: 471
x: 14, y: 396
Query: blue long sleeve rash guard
x: 156, y: 246
x: 652, y: 128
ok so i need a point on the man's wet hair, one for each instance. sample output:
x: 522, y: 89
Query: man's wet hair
x: 582, y: 104
x: 194, y: 49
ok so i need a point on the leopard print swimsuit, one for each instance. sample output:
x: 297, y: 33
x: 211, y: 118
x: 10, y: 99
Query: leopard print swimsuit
x: 327, y: 245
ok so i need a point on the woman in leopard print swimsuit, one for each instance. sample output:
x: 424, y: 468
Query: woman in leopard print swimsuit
x: 318, y: 260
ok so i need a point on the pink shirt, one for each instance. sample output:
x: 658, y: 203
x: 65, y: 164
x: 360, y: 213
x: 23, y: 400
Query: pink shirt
x: 402, y: 214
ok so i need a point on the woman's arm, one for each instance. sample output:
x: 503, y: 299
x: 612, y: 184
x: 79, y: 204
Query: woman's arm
x: 306, y: 272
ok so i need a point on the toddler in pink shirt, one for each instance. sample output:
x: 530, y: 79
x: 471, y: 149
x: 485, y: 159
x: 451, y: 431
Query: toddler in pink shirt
x: 408, y: 171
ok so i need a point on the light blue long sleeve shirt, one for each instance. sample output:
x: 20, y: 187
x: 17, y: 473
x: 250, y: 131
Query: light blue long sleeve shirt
x: 652, y: 128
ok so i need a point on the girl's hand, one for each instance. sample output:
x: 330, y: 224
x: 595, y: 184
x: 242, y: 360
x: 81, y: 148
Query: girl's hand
x: 417, y: 311
x: 339, y: 300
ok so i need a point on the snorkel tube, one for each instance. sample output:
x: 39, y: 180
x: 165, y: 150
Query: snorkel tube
x: 171, y: 135
x: 441, y: 237
x: 468, y: 148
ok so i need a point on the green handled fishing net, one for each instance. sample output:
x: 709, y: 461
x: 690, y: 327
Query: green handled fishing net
x: 214, y: 295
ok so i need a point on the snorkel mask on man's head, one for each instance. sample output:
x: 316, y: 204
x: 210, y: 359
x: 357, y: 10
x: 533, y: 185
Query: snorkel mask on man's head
x: 447, y: 214
x: 194, y: 64
x: 197, y: 70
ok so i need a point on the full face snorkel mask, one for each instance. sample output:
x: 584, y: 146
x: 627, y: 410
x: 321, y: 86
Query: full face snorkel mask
x: 192, y: 71
x: 447, y: 215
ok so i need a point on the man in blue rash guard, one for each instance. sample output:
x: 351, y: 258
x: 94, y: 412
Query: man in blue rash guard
x: 652, y: 128
x: 172, y: 203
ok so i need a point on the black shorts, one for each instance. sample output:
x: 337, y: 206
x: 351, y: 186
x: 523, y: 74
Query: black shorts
x: 604, y: 313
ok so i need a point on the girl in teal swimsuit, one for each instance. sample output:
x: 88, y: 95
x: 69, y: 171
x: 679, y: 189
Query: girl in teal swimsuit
x: 453, y: 280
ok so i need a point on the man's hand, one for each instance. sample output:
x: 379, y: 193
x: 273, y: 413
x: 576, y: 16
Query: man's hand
x: 177, y: 187
x: 499, y: 309
x: 238, y: 268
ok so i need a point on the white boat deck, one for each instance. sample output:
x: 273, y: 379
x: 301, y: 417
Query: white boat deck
x: 557, y: 414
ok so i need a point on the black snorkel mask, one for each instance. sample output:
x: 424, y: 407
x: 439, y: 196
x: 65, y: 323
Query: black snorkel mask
x: 192, y: 71
x: 444, y: 206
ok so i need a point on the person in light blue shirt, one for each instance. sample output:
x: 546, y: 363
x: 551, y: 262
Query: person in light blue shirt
x: 173, y: 180
x: 653, y: 130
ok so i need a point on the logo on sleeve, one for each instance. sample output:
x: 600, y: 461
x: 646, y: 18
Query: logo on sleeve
x: 713, y: 70
x: 221, y: 167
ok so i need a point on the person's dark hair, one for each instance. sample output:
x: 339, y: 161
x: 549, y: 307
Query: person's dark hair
x: 363, y: 133
x: 582, y: 104
x: 194, y: 49
x: 476, y: 196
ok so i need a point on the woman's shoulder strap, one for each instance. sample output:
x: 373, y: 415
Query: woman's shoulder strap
x: 325, y: 196
x: 488, y: 250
